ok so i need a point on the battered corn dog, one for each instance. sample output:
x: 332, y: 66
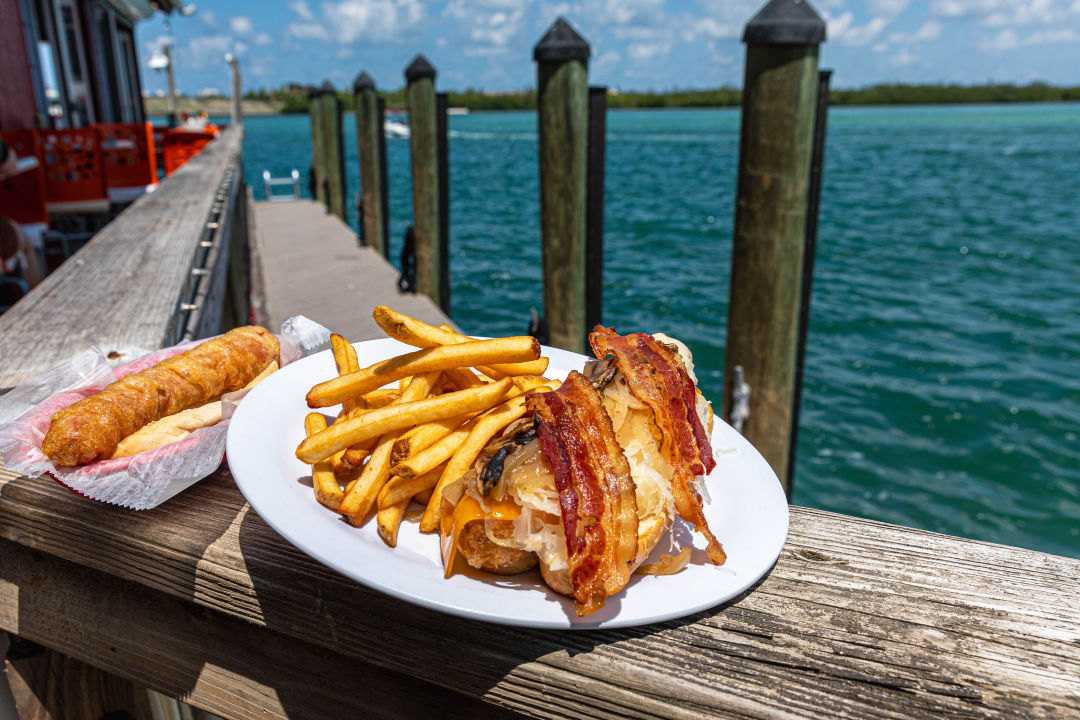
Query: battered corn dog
x: 91, y: 429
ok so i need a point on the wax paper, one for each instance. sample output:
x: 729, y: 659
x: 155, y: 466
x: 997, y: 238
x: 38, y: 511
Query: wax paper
x: 142, y: 481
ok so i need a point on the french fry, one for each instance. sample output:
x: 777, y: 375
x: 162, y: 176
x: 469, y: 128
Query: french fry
x: 535, y: 367
x: 464, y: 378
x: 420, y: 386
x: 513, y: 349
x: 398, y: 488
x: 327, y: 491
x: 353, y: 457
x: 347, y: 461
x: 381, y: 398
x: 435, y: 454
x: 422, y: 448
x: 416, y: 439
x: 398, y: 416
x: 417, y: 333
x: 424, y: 497
x: 485, y: 428
x: 345, y: 358
x: 365, y: 489
x: 389, y: 520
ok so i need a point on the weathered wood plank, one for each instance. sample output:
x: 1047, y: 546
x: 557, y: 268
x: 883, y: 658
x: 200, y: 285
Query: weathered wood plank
x: 52, y: 686
x: 214, y: 662
x: 857, y: 619
x: 121, y: 290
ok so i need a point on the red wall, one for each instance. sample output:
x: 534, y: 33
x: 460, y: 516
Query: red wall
x: 17, y: 106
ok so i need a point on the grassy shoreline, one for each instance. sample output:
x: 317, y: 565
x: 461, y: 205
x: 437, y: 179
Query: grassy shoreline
x: 294, y: 98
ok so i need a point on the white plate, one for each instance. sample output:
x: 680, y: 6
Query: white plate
x: 748, y: 514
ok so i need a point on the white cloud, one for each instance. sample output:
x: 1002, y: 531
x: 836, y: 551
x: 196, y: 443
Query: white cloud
x: 904, y: 57
x: 888, y: 8
x: 606, y: 61
x: 842, y: 30
x: 263, y: 39
x: 647, y: 51
x: 241, y: 25
x: 709, y: 27
x: 307, y: 31
x: 930, y: 30
x: 1005, y: 40
x: 208, y: 92
x: 1050, y: 37
x: 624, y: 12
x: 1005, y: 13
x: 300, y: 7
x: 372, y: 20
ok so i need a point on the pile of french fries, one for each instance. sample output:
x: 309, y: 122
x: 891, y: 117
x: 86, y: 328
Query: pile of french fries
x: 390, y: 445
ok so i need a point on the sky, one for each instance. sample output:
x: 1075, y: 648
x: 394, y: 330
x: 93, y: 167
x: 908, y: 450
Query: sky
x: 636, y: 44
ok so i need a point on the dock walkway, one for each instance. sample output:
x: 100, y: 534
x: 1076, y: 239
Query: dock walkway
x: 308, y: 262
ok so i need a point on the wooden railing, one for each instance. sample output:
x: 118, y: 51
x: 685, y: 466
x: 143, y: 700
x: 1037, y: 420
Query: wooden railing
x: 168, y: 268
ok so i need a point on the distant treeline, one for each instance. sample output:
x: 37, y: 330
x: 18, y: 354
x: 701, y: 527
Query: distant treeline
x: 294, y: 99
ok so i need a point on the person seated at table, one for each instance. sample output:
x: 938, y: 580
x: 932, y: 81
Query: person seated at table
x: 17, y: 256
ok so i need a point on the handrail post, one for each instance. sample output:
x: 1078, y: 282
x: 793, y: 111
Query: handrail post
x: 424, y: 154
x: 562, y: 57
x: 779, y: 100
x: 369, y: 145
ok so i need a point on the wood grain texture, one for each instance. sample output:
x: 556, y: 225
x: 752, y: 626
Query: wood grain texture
x: 563, y: 139
x: 424, y: 156
x: 54, y: 686
x: 857, y: 619
x: 122, y: 289
x: 368, y: 127
x: 214, y: 662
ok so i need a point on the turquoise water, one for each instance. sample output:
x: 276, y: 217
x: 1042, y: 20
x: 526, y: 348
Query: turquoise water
x: 942, y: 382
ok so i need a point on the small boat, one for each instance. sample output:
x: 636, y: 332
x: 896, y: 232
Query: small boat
x: 396, y: 128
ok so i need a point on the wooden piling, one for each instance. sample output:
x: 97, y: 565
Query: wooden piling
x: 817, y: 164
x: 779, y: 100
x: 317, y: 175
x: 369, y: 126
x: 594, y: 209
x: 442, y: 106
x: 237, y: 104
x: 334, y: 150
x: 562, y: 57
x: 424, y: 155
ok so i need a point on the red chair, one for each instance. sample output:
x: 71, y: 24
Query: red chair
x: 22, y: 194
x: 74, y: 171
x: 179, y: 146
x: 130, y: 164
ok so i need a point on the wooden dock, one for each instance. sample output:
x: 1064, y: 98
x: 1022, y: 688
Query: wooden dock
x: 311, y: 264
x: 199, y: 599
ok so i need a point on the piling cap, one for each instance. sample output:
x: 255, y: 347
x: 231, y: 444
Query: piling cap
x: 419, y: 69
x: 785, y: 22
x: 363, y: 81
x: 561, y: 43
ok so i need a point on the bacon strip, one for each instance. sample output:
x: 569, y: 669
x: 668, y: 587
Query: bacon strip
x: 596, y: 493
x: 656, y: 378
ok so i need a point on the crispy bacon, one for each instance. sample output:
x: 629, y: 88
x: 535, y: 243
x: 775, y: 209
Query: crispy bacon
x: 656, y: 378
x: 596, y: 493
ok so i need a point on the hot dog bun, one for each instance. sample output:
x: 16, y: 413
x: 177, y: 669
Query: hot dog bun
x: 92, y: 428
